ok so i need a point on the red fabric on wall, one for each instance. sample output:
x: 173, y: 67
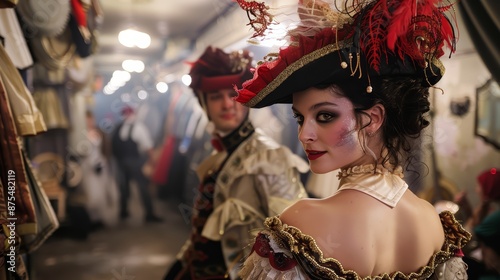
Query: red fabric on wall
x: 161, y: 170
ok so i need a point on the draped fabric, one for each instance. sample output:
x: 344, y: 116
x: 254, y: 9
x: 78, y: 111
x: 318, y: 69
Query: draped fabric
x: 482, y: 20
x: 13, y: 183
x: 23, y: 203
x: 11, y: 160
x: 28, y: 119
x: 14, y: 42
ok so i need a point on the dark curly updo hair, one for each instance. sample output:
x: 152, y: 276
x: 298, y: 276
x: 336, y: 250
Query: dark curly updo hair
x: 406, y: 103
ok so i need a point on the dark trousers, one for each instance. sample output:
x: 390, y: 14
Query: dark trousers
x: 131, y: 170
x: 174, y: 273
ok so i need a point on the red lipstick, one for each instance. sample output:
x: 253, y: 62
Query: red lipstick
x: 312, y: 155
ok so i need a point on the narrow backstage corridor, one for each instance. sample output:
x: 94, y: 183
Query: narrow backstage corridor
x: 131, y: 249
x: 97, y: 94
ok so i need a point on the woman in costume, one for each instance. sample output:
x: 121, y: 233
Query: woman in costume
x: 358, y: 76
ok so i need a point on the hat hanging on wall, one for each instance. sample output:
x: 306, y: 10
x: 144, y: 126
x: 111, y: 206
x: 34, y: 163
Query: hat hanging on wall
x: 460, y: 106
x: 53, y: 52
x: 44, y: 18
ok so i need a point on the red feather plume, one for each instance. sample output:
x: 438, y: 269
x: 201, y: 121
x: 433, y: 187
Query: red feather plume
x: 373, y: 39
x: 401, y: 20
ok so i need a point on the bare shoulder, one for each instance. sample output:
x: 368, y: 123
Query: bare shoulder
x: 422, y: 222
x: 299, y: 212
x: 433, y: 217
x: 317, y: 215
x: 338, y: 225
x: 427, y: 211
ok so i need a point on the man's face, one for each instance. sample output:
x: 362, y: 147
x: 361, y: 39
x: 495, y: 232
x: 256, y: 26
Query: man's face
x: 225, y: 113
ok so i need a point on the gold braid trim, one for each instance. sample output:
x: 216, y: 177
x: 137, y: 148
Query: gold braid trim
x: 313, y: 56
x: 290, y: 69
x: 304, y: 246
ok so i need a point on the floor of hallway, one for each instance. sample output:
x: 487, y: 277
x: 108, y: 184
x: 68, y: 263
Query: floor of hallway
x: 131, y: 250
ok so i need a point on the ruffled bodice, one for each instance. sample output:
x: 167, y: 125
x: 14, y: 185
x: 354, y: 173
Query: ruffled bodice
x: 284, y: 252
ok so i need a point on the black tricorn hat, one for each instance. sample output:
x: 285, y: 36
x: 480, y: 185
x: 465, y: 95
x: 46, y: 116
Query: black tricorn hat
x: 381, y: 38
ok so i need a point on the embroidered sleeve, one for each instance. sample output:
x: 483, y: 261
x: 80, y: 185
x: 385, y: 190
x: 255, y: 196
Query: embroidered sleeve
x: 268, y: 262
x: 456, y: 238
x: 454, y: 268
x: 277, y: 175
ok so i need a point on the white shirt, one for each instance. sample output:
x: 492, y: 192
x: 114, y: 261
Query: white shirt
x: 140, y: 134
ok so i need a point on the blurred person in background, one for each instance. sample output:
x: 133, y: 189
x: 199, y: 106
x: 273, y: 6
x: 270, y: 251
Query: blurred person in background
x: 99, y: 184
x: 132, y: 147
x: 488, y: 190
x: 482, y: 255
x: 247, y: 178
x: 488, y: 236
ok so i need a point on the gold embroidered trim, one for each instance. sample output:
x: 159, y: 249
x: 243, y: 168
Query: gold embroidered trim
x: 306, y: 59
x: 370, y: 168
x: 305, y: 246
x: 290, y: 69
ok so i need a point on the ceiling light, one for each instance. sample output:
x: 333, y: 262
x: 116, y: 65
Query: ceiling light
x: 107, y: 90
x: 121, y: 75
x: 125, y: 38
x: 162, y: 87
x: 132, y: 38
x: 125, y: 97
x: 131, y: 65
x: 143, y: 40
x: 186, y: 79
x: 142, y: 94
x: 113, y: 87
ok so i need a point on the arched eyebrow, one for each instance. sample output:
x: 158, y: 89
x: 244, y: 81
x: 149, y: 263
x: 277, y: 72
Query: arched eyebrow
x: 317, y: 105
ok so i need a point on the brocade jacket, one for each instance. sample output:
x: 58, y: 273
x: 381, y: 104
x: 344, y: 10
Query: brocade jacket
x: 249, y: 179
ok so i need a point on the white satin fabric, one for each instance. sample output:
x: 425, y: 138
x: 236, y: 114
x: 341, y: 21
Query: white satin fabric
x: 383, y: 184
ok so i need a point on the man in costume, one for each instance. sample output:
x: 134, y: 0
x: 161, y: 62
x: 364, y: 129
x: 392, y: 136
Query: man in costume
x: 132, y: 148
x: 248, y: 177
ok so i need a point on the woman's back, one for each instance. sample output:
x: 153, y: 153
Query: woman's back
x: 367, y: 236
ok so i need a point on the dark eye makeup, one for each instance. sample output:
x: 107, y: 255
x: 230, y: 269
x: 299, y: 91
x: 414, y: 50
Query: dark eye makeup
x: 325, y: 117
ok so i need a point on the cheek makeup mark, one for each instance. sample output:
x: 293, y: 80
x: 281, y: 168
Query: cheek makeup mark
x: 346, y: 137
